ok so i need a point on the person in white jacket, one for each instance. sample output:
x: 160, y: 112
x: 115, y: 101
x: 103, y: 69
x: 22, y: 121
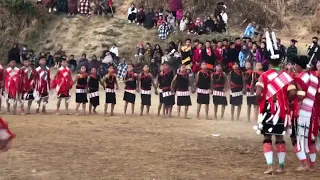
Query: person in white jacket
x: 132, y: 13
x: 114, y: 49
x: 224, y: 17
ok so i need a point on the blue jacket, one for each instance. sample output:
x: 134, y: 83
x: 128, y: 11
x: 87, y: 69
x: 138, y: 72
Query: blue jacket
x: 249, y: 32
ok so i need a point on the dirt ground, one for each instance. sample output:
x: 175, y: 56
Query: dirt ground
x: 52, y: 147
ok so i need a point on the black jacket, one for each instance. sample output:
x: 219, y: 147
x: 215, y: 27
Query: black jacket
x: 208, y: 59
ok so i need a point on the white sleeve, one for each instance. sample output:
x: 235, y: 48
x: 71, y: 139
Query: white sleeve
x: 129, y: 11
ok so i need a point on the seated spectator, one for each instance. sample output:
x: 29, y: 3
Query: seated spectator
x: 72, y: 63
x: 183, y: 24
x: 155, y: 19
x: 171, y: 21
x: 165, y: 57
x: 221, y: 25
x: 149, y: 22
x: 249, y: 31
x: 114, y: 49
x: 132, y: 13
x: 209, y: 24
x: 160, y: 21
x: 163, y: 31
x: 224, y: 18
x: 141, y: 16
x: 107, y: 57
x: 191, y: 27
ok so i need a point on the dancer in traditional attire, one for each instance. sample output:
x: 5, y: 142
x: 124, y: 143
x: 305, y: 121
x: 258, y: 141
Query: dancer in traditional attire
x: 42, y: 85
x: 27, y: 85
x: 130, y: 89
x: 251, y: 98
x: 274, y: 92
x: 307, y: 127
x: 63, y: 83
x: 6, y: 136
x: 203, y: 84
x: 180, y: 84
x: 111, y: 84
x: 160, y: 106
x: 219, y: 80
x: 81, y: 89
x: 165, y: 83
x: 145, y: 83
x: 237, y: 86
x: 12, y: 79
x: 93, y: 90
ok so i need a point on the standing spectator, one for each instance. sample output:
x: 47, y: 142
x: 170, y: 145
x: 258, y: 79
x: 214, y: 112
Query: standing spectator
x: 174, y: 6
x: 292, y: 50
x: 262, y: 56
x: 312, y: 50
x: 14, y: 54
x: 58, y: 54
x: 140, y: 52
x: 50, y: 59
x: 208, y: 56
x: 254, y: 53
x: 122, y: 70
x: 24, y: 52
x: 197, y: 58
x: 72, y: 63
x: 94, y: 63
x: 186, y: 54
x: 72, y: 7
x: 232, y: 55
x: 114, y: 49
x: 83, y: 62
x: 148, y: 53
x: 244, y: 56
x: 218, y: 52
x: 141, y: 16
x: 132, y: 13
x: 249, y: 31
x: 220, y: 6
x: 85, y: 7
x: 33, y: 59
x: 224, y: 18
x: 157, y: 54
x: 282, y: 50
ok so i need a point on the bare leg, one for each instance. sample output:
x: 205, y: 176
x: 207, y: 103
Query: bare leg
x: 141, y: 109
x: 44, y: 104
x: 38, y: 108
x: 132, y: 108
x: 94, y: 110
x: 186, y: 112
x: 198, y: 110
x: 223, y: 108
x: 29, y: 107
x: 125, y: 108
x: 170, y: 111
x: 238, y: 112
x: 207, y: 111
x: 90, y: 108
x: 22, y: 108
x: 232, y: 112
x: 66, y: 102
x: 215, y: 111
x: 15, y: 107
x: 0, y: 103
x: 8, y: 106
x: 268, y: 153
x: 112, y: 109
x: 105, y: 109
x: 249, y: 112
x: 148, y: 110
x: 84, y: 108
x: 178, y: 109
x: 159, y: 109
x: 280, y: 153
x: 255, y: 112
x: 163, y: 110
x: 58, y: 105
x: 77, y: 109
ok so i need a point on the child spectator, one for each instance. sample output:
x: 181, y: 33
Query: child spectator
x: 249, y: 31
x: 140, y: 52
x: 171, y: 22
x: 132, y: 13
x: 122, y: 69
x: 160, y: 21
x: 183, y: 23
x: 165, y: 57
x: 179, y: 16
x: 244, y: 56
x: 114, y: 49
x: 163, y: 31
x: 141, y: 16
x: 191, y: 27
x: 155, y: 19
x: 72, y: 63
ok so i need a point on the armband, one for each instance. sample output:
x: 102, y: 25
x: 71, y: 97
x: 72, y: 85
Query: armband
x: 301, y: 93
x: 260, y: 84
x: 291, y: 87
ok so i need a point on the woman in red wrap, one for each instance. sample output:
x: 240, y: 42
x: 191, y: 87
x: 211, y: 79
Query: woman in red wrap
x: 12, y: 78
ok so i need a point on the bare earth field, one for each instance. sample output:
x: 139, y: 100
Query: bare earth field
x: 67, y: 147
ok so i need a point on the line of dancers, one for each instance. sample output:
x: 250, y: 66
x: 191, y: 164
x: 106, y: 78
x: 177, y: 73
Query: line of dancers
x: 26, y: 85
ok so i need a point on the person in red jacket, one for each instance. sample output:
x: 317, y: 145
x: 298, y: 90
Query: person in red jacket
x: 197, y: 58
x: 63, y: 83
x: 42, y: 84
x: 27, y: 84
x: 12, y: 77
x: 218, y: 51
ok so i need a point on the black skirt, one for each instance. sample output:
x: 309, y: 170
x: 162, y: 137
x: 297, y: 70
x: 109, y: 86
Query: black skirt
x: 63, y: 96
x: 268, y: 127
x: 220, y: 100
x: 111, y: 98
x: 81, y: 98
x: 169, y: 100
x: 236, y: 101
x: 95, y: 101
x: 146, y: 99
x: 160, y: 98
x: 184, y: 101
x: 129, y: 97
x: 28, y: 96
x: 252, y: 100
x: 203, y: 98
